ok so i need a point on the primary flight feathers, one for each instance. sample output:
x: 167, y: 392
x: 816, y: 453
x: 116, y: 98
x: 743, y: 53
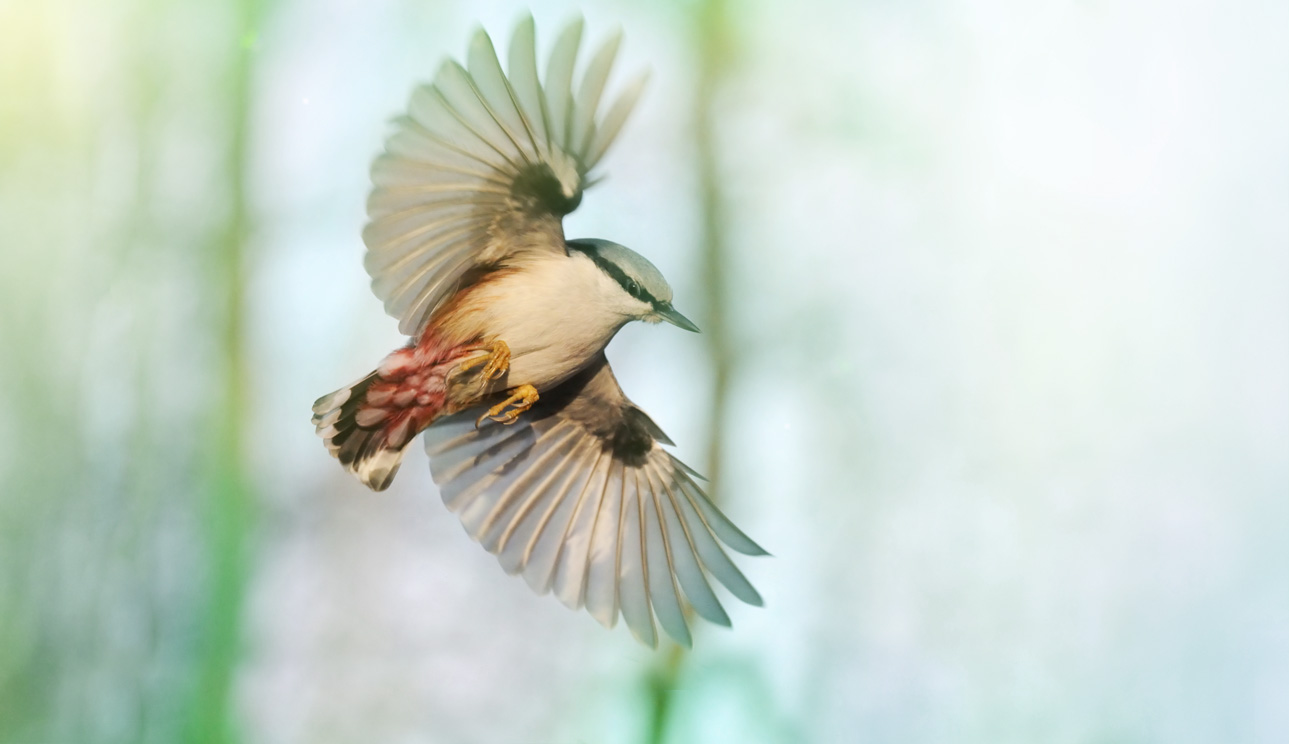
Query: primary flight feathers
x: 485, y: 164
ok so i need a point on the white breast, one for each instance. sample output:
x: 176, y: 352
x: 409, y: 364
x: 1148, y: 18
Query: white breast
x: 556, y: 315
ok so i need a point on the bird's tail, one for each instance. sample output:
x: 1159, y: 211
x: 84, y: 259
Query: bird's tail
x: 368, y: 425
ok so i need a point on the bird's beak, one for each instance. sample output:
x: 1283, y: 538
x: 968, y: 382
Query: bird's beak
x: 669, y: 314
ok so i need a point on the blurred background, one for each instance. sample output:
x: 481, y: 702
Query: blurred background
x: 996, y: 364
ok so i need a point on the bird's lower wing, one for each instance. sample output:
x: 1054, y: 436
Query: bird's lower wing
x: 580, y: 498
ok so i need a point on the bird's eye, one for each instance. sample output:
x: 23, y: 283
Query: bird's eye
x: 633, y: 287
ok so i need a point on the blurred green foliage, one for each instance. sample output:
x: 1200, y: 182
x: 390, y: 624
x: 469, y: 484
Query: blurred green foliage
x: 995, y: 329
x: 128, y: 517
x: 126, y: 513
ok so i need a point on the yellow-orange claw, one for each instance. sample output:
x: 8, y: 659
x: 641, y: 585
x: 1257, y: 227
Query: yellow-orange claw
x: 498, y: 360
x: 522, y: 398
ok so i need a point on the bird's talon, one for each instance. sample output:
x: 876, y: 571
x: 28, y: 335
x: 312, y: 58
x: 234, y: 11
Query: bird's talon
x: 522, y: 398
x: 497, y: 360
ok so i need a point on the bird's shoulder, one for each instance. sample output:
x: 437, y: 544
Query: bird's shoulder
x: 594, y: 399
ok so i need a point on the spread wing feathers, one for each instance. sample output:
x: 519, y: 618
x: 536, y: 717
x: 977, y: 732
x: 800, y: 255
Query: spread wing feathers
x: 580, y: 497
x: 484, y: 165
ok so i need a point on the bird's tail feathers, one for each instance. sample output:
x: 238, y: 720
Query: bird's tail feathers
x: 367, y: 439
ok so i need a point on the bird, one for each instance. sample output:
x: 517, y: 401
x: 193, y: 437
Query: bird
x: 531, y: 440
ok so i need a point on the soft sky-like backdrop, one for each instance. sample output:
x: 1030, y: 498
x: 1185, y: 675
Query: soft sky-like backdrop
x: 1002, y: 379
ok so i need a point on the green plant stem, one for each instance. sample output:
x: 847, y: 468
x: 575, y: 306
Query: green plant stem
x: 231, y: 505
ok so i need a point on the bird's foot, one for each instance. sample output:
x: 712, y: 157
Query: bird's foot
x: 495, y: 361
x: 522, y: 398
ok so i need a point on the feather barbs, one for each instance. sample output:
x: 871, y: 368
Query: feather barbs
x: 513, y: 150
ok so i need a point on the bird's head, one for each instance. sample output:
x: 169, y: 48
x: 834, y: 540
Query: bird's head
x: 634, y: 287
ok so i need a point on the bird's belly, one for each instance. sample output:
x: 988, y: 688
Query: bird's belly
x: 546, y: 358
x: 551, y: 344
x: 546, y: 367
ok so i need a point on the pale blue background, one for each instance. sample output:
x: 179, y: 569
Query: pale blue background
x: 1010, y: 404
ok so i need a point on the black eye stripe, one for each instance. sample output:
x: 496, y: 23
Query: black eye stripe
x: 631, y: 286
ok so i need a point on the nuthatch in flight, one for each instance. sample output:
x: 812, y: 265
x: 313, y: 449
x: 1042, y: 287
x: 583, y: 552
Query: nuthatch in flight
x: 532, y: 442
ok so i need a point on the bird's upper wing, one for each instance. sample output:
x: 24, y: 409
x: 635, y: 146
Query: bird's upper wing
x: 580, y: 497
x: 484, y: 165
